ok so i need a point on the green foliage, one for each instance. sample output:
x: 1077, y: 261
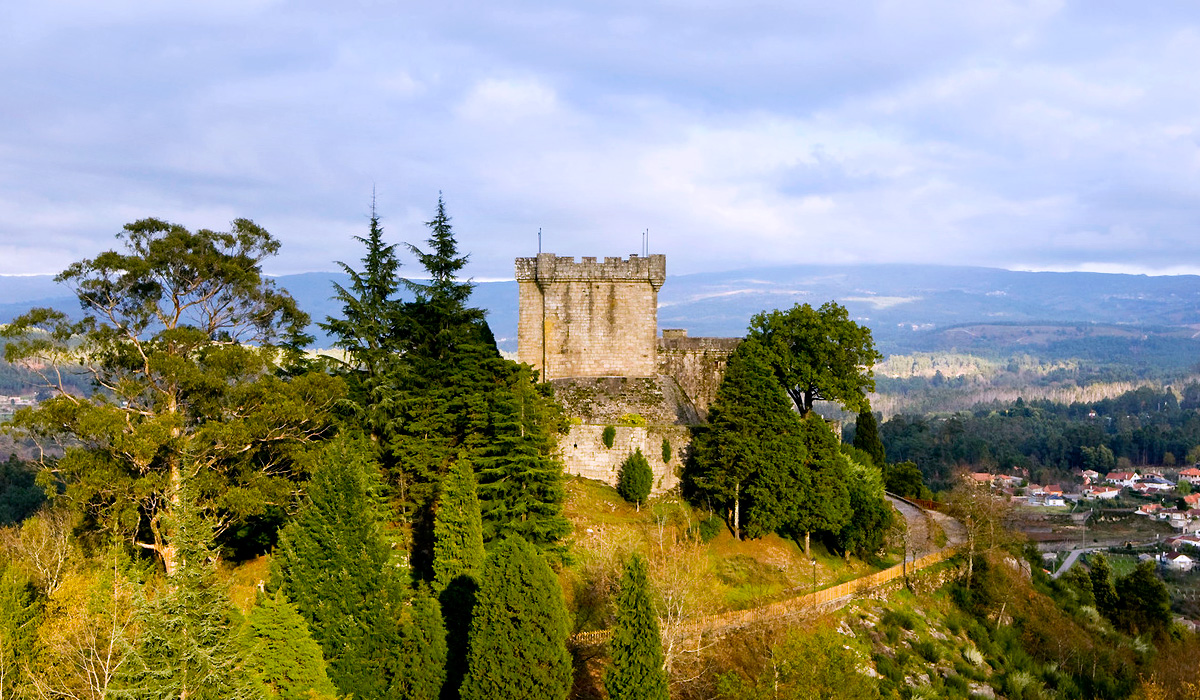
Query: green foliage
x: 866, y: 437
x: 751, y: 449
x: 818, y: 354
x: 20, y: 610
x: 635, y: 420
x: 458, y: 527
x: 183, y: 333
x: 607, y: 437
x: 806, y: 666
x: 336, y: 565
x: 904, y: 479
x: 870, y: 514
x: 281, y: 653
x: 709, y: 528
x: 186, y: 642
x: 635, y: 478
x: 666, y: 451
x: 827, y: 506
x: 20, y: 496
x: 519, y: 633
x: 1143, y: 602
x: 1103, y: 591
x: 636, y: 647
x: 422, y: 653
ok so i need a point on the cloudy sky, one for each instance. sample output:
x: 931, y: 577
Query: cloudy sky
x: 1020, y: 134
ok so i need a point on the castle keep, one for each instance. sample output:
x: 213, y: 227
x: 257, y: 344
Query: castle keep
x: 589, y: 319
x: 591, y: 329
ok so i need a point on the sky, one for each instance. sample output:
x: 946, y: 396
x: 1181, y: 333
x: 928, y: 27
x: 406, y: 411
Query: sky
x: 1032, y: 135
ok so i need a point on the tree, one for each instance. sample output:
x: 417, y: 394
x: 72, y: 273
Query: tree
x: 19, y: 613
x: 904, y: 479
x: 458, y: 528
x: 281, y: 654
x: 804, y: 666
x: 1143, y: 602
x: 1103, y: 590
x: 422, y: 651
x: 336, y: 566
x: 751, y: 443
x: 519, y: 634
x: 371, y: 330
x: 185, y: 642
x: 870, y: 514
x: 818, y: 354
x: 983, y: 514
x: 866, y: 437
x: 635, y: 478
x: 181, y: 337
x: 636, y: 647
x: 826, y: 507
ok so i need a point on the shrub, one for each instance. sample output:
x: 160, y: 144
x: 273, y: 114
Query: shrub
x: 610, y: 433
x: 635, y: 478
x: 666, y: 451
x: 928, y: 650
x: 634, y: 420
x: 709, y: 528
x: 899, y: 618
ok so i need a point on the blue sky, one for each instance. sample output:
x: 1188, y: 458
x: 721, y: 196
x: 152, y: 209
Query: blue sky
x: 1026, y: 135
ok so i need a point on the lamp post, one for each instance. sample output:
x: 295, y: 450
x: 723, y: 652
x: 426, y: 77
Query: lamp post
x: 814, y: 569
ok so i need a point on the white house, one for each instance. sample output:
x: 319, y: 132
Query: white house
x: 1178, y: 561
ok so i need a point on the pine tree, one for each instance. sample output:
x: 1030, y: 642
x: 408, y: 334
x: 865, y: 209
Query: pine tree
x: 336, y: 565
x: 866, y: 437
x: 187, y: 648
x: 422, y: 654
x: 636, y: 647
x: 519, y: 634
x: 635, y: 478
x: 281, y: 654
x: 458, y: 527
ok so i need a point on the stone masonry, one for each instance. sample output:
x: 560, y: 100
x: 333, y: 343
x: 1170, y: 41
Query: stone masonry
x: 589, y: 319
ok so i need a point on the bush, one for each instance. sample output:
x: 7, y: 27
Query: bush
x: 888, y: 668
x: 899, y: 618
x: 666, y: 451
x: 709, y: 528
x: 633, y: 420
x: 610, y: 433
x: 928, y: 650
x: 635, y: 479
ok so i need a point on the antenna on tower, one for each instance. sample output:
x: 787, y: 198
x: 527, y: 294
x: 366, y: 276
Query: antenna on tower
x: 539, y: 240
x: 646, y: 244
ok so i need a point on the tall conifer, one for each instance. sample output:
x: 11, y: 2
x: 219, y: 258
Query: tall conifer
x: 335, y: 564
x: 635, y: 478
x: 457, y: 528
x: 281, y: 654
x: 422, y: 656
x: 519, y: 634
x: 866, y: 437
x: 636, y: 647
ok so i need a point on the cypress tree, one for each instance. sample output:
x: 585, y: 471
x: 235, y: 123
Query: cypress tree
x: 458, y: 527
x: 1103, y: 590
x: 19, y: 613
x: 635, y: 478
x: 827, y: 507
x: 519, y: 634
x: 281, y: 654
x: 422, y: 655
x: 866, y: 437
x: 636, y: 647
x: 335, y: 563
x: 870, y: 514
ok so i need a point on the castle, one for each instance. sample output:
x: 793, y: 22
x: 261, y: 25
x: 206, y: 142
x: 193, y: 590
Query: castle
x: 591, y: 329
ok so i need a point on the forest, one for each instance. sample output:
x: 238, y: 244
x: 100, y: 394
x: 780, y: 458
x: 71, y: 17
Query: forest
x: 214, y: 512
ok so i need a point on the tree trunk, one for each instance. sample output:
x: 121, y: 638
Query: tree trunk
x: 737, y: 511
x: 807, y: 549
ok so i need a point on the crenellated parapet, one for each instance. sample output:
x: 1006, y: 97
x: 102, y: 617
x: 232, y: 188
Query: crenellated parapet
x: 548, y: 268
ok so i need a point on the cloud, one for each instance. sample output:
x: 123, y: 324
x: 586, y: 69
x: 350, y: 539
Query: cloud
x: 1013, y: 133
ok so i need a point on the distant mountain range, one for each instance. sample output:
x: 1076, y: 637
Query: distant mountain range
x: 909, y: 308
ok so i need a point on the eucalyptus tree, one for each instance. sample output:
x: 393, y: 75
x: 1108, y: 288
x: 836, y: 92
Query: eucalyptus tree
x: 183, y: 338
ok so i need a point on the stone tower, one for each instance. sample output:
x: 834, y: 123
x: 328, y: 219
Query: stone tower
x: 589, y: 319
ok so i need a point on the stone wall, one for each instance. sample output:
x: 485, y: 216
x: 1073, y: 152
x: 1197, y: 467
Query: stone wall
x: 696, y: 364
x: 583, y: 452
x: 589, y: 319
